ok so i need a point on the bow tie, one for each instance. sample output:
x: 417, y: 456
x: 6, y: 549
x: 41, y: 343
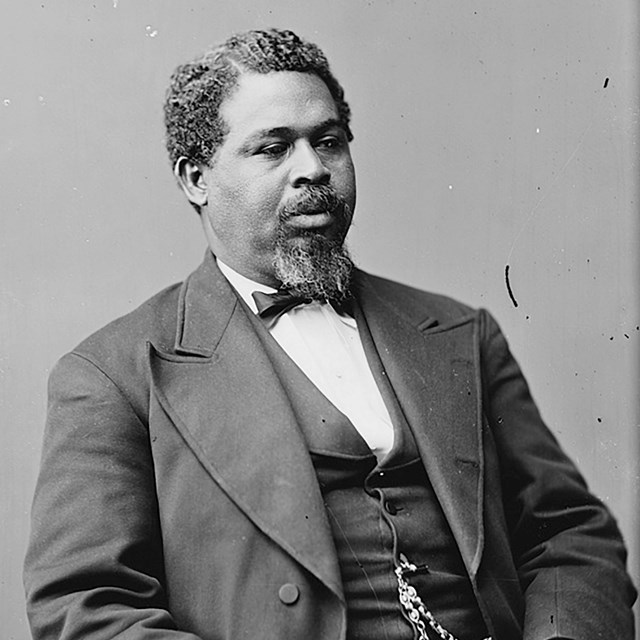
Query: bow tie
x: 272, y: 305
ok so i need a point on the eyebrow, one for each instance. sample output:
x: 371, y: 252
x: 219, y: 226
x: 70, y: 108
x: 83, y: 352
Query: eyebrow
x: 289, y: 132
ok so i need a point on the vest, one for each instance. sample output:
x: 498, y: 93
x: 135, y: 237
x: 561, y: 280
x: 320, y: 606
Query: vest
x: 378, y: 511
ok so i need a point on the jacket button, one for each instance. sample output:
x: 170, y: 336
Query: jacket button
x: 289, y: 593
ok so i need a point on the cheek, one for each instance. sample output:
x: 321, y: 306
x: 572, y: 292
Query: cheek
x: 248, y: 204
x: 345, y: 182
x: 256, y: 217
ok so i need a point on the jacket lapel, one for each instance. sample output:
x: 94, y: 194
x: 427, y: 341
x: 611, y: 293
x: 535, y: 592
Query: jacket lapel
x: 220, y: 390
x: 434, y: 373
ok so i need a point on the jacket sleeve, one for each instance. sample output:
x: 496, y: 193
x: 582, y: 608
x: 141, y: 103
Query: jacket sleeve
x: 567, y: 547
x: 94, y: 567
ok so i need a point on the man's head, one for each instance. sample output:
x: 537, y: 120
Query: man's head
x: 258, y: 131
x: 194, y: 128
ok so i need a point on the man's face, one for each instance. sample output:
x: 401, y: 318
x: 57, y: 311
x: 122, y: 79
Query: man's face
x: 283, y: 173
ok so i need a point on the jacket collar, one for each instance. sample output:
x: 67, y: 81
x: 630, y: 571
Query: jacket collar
x: 205, y: 306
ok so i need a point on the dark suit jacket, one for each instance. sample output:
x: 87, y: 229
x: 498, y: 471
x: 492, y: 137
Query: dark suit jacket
x: 176, y: 495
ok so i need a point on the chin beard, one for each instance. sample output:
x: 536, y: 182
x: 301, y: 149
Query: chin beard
x: 313, y: 266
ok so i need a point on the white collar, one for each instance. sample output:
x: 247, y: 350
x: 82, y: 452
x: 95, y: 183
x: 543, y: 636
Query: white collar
x: 243, y: 285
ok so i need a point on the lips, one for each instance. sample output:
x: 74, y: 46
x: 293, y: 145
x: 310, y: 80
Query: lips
x: 313, y: 200
x: 315, y: 220
x: 316, y: 209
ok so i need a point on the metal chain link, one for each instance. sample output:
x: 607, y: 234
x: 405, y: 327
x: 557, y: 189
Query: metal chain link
x: 415, y: 608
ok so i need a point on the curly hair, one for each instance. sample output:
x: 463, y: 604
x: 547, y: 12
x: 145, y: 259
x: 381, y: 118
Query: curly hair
x: 194, y: 127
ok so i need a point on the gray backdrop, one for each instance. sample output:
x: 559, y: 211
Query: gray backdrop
x: 487, y: 133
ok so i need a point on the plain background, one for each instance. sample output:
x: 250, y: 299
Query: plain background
x: 485, y: 137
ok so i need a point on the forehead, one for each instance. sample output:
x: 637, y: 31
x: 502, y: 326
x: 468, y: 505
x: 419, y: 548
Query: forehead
x: 281, y: 99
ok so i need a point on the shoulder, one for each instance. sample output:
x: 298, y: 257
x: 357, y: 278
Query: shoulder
x: 117, y: 354
x: 416, y: 304
x: 154, y: 320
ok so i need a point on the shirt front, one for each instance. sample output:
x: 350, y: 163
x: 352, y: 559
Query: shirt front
x: 328, y: 349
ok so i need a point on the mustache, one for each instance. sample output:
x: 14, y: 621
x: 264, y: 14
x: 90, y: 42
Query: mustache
x: 314, y: 199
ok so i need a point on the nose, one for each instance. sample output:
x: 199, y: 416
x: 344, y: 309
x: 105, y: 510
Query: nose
x: 307, y: 166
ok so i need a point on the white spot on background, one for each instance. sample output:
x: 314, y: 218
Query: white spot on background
x: 151, y: 32
x: 41, y: 99
x: 115, y: 4
x: 450, y: 187
x: 538, y: 130
x: 6, y: 102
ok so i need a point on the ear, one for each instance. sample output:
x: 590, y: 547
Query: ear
x: 192, y: 181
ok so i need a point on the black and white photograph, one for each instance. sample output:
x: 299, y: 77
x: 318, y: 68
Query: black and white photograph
x: 319, y: 321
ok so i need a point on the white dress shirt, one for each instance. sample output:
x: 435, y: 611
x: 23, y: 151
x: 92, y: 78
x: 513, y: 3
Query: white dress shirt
x: 327, y: 348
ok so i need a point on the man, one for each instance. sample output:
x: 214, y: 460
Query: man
x: 286, y: 447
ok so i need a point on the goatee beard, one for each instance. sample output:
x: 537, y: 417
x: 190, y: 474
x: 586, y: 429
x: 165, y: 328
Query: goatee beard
x: 313, y: 266
x: 310, y: 263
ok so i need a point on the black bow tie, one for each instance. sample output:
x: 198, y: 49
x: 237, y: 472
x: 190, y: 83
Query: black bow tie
x: 272, y: 305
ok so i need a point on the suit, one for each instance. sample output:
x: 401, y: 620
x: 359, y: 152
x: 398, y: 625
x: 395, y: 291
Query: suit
x: 177, y: 498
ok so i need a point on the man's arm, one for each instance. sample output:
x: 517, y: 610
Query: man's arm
x: 566, y: 545
x: 94, y: 568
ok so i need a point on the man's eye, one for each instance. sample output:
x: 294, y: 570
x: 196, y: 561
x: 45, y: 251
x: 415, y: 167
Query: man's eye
x: 273, y: 150
x: 329, y: 142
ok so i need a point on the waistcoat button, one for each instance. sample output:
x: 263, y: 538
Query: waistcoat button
x: 390, y: 507
x: 289, y: 593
